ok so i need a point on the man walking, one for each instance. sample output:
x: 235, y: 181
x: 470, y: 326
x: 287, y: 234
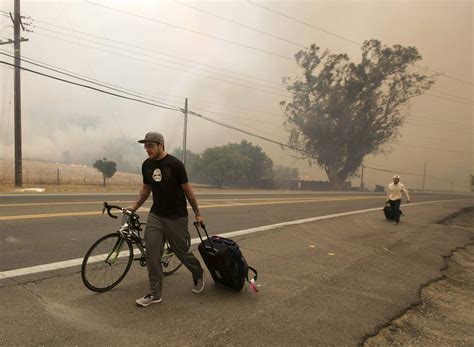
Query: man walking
x: 165, y: 176
x: 394, y: 197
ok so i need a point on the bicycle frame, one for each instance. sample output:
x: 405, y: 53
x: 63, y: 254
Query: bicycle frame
x: 122, y: 246
x: 133, y: 235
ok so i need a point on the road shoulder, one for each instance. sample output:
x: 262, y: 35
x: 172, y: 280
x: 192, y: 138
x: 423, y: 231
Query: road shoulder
x: 444, y: 316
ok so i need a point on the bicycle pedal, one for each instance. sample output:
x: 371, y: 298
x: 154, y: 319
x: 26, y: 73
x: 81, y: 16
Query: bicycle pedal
x: 142, y: 261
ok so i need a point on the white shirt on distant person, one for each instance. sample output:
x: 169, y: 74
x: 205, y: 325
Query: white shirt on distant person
x: 395, y: 191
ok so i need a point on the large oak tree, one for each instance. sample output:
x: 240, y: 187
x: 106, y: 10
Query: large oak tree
x: 342, y: 111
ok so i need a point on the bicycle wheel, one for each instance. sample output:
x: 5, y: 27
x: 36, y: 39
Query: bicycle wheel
x: 106, y: 263
x: 169, y: 261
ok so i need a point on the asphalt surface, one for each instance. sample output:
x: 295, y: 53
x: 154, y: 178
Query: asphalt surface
x: 330, y: 282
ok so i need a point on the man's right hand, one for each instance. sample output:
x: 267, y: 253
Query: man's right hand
x: 200, y: 220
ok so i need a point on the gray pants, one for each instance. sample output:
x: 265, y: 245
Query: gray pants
x: 176, y: 232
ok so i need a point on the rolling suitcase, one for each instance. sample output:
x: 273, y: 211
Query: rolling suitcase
x: 225, y: 261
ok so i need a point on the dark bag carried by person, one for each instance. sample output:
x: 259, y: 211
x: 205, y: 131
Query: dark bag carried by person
x: 225, y: 261
x: 387, y: 210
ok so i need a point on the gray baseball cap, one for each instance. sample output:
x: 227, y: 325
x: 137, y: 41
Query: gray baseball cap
x: 153, y: 136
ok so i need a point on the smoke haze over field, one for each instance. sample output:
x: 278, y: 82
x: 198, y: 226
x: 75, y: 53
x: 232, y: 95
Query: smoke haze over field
x: 67, y: 123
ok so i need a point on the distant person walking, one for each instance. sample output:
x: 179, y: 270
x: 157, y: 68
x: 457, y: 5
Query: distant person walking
x: 165, y: 176
x: 394, y: 196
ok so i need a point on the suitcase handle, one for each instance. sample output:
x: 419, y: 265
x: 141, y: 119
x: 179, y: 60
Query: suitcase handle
x: 203, y: 226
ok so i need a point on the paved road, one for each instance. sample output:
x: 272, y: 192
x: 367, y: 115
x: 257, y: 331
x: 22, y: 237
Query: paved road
x: 60, y: 227
x: 329, y: 282
x: 37, y: 229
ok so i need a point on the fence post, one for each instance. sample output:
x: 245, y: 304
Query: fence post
x: 57, y: 175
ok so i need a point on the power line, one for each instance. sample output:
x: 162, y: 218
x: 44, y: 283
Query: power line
x: 251, y: 134
x: 245, y: 125
x: 106, y: 85
x: 86, y: 79
x: 346, y: 39
x: 192, y: 31
x: 166, y: 66
x: 445, y: 98
x: 236, y: 116
x: 245, y: 75
x: 165, y: 60
x: 438, y: 124
x: 205, y: 70
x: 169, y: 61
x: 86, y: 86
x: 441, y: 127
x: 392, y: 171
x: 434, y: 149
x: 217, y: 104
x: 123, y: 89
x: 180, y: 109
x: 449, y: 76
x: 154, y: 57
x: 157, y: 52
x: 241, y: 24
x: 305, y: 23
x: 405, y: 173
x: 451, y: 95
x: 93, y: 72
x: 446, y: 123
x: 160, y: 106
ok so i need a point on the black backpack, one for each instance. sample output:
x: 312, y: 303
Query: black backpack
x: 225, y: 261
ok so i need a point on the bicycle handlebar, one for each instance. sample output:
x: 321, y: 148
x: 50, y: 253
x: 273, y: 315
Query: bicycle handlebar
x: 108, y: 207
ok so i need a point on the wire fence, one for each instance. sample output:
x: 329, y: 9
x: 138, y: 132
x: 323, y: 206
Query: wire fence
x: 440, y: 192
x: 42, y: 173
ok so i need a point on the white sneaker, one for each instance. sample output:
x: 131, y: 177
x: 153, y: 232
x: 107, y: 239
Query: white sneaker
x: 198, y: 285
x: 148, y: 300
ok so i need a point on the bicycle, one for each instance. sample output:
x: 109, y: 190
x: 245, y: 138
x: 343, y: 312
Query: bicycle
x: 109, y: 259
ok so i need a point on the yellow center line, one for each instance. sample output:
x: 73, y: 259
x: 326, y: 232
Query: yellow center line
x: 289, y: 202
x: 62, y: 203
x: 93, y: 213
x: 201, y: 201
x: 49, y: 215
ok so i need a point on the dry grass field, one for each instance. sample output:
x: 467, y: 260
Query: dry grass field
x: 57, y: 177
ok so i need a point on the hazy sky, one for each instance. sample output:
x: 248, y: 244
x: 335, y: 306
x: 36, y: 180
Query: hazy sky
x: 239, y: 84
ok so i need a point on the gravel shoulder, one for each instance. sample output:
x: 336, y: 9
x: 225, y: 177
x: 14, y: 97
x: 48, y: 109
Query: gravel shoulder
x: 445, y: 314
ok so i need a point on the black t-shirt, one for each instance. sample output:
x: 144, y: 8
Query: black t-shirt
x: 165, y: 177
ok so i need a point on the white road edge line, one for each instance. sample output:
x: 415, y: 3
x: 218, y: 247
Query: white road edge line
x: 76, y: 262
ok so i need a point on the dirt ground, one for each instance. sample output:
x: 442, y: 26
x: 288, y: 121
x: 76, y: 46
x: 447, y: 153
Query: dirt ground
x: 445, y: 316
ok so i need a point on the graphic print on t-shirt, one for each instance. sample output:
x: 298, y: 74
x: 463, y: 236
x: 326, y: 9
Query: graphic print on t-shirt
x: 157, y: 175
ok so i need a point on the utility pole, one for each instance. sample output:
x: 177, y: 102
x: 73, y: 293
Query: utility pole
x: 424, y: 176
x: 185, y: 129
x: 17, y: 97
x: 362, y: 178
